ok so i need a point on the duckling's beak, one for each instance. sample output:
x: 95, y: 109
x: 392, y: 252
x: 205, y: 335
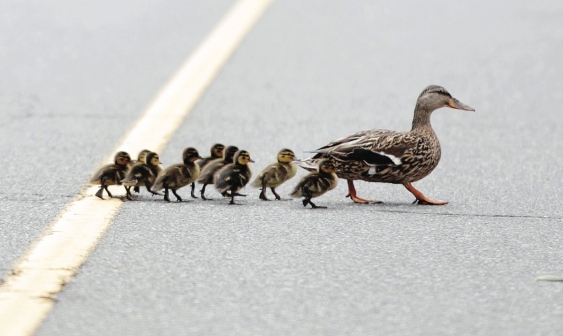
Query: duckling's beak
x: 250, y: 160
x: 199, y: 157
x: 454, y: 103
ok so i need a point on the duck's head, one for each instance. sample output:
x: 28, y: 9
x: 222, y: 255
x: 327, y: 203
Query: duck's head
x: 434, y: 97
x: 190, y: 154
x: 152, y: 159
x: 142, y: 155
x: 217, y: 150
x: 326, y: 166
x: 286, y: 156
x: 122, y: 158
x: 229, y: 153
x: 242, y: 157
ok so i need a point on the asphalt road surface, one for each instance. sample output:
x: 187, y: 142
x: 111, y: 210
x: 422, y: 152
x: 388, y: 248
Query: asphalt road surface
x: 76, y: 77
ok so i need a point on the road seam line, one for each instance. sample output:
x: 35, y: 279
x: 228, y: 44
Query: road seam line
x: 28, y: 293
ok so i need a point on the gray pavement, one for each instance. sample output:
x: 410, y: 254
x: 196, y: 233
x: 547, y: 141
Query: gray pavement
x: 308, y: 73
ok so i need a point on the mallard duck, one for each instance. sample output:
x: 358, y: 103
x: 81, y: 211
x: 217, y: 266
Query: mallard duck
x: 141, y: 158
x: 316, y: 183
x: 143, y: 174
x: 112, y: 174
x: 234, y: 176
x: 216, y: 153
x: 208, y: 172
x: 393, y: 157
x: 276, y: 173
x: 179, y: 175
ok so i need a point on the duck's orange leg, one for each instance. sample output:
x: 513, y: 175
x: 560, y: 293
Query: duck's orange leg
x: 356, y: 199
x: 420, y: 198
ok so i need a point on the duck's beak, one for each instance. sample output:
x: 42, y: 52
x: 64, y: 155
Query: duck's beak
x: 454, y: 103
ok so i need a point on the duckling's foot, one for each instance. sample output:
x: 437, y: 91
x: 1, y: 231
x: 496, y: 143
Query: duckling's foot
x: 263, y: 196
x: 136, y: 189
x: 314, y: 206
x: 356, y: 199
x: 275, y: 194
x: 99, y: 193
x: 420, y: 198
x: 178, y: 198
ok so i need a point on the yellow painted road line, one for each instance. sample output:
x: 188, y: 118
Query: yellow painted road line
x: 27, y: 293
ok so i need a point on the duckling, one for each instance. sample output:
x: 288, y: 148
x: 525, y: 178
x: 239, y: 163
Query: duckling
x: 393, y: 157
x: 216, y: 153
x: 208, y: 172
x: 112, y: 174
x: 144, y: 174
x: 179, y: 175
x: 276, y: 173
x: 141, y: 158
x: 234, y: 176
x: 317, y: 183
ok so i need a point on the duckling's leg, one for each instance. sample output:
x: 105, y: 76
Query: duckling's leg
x: 178, y: 198
x: 263, y: 192
x: 232, y: 194
x: 202, y: 192
x: 308, y: 195
x: 100, y: 192
x: 356, y: 199
x: 193, y: 189
x: 136, y: 189
x: 420, y: 198
x: 128, y: 192
x: 148, y: 185
x: 107, y: 190
x: 275, y: 193
x: 166, y: 193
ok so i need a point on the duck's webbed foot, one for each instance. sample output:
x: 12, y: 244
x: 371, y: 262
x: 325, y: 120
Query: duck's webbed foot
x: 420, y: 198
x: 355, y: 198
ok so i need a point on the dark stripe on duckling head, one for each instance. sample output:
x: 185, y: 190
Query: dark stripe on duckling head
x: 326, y: 166
x: 285, y: 154
x: 242, y: 154
x: 217, y: 150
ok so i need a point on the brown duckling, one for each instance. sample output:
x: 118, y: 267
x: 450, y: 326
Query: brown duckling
x: 144, y: 174
x: 141, y: 158
x: 179, y: 175
x: 234, y: 176
x: 393, y: 157
x: 216, y: 153
x: 276, y: 173
x: 112, y: 174
x: 208, y: 172
x: 317, y: 183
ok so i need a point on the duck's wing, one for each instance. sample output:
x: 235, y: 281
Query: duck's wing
x: 374, y: 147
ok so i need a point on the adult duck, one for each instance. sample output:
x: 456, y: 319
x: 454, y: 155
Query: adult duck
x: 389, y: 156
